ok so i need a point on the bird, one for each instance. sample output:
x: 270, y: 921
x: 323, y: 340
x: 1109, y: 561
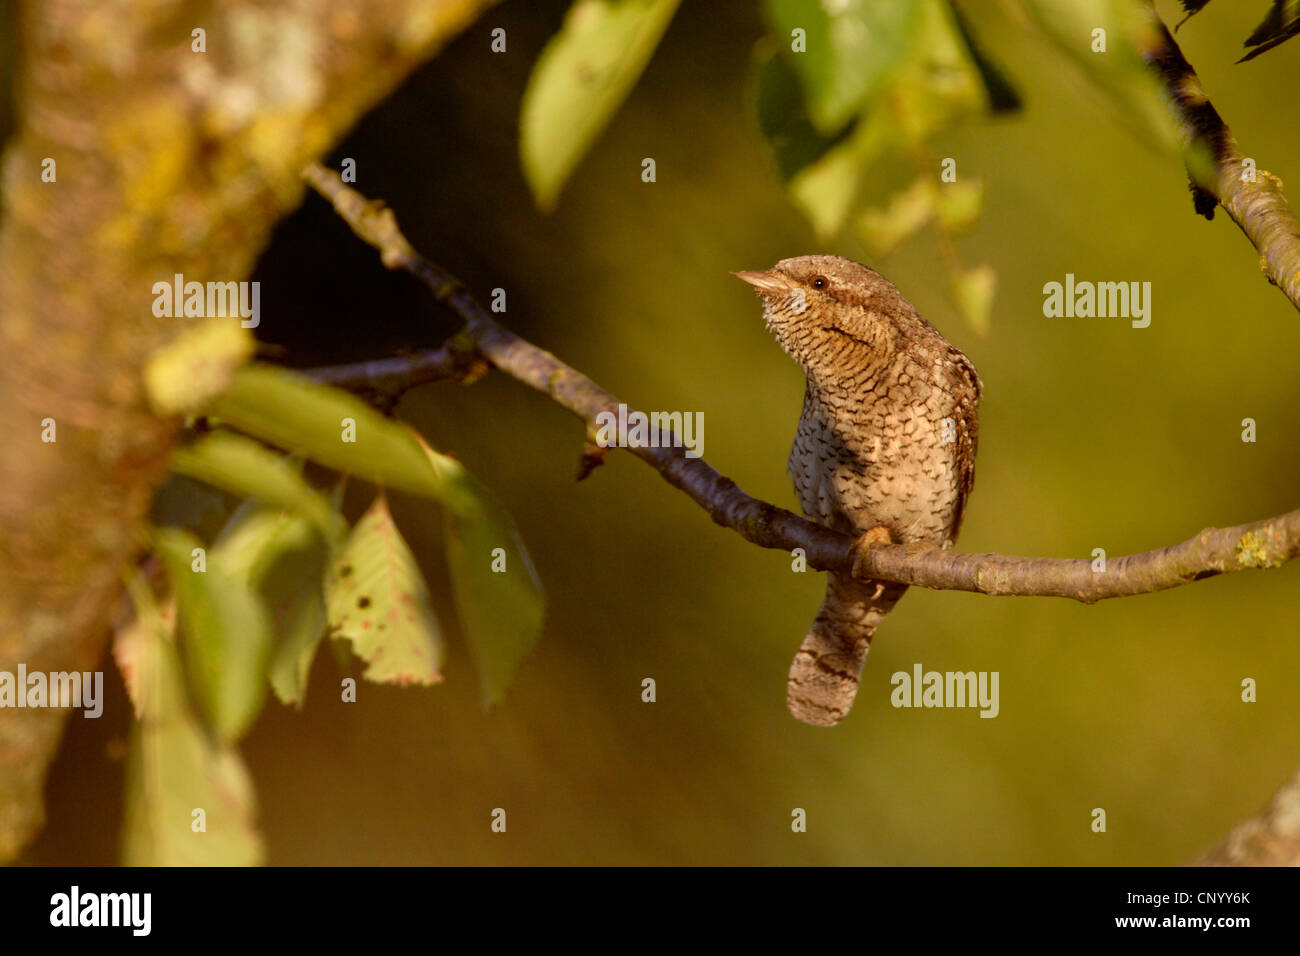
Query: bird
x: 884, y: 450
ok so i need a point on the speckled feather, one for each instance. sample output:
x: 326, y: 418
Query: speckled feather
x: 887, y: 440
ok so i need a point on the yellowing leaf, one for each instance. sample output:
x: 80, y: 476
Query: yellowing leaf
x: 186, y: 374
x: 375, y: 597
x: 580, y: 80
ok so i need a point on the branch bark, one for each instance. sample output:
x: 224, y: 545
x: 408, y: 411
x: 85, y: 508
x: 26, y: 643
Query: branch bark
x: 1261, y: 544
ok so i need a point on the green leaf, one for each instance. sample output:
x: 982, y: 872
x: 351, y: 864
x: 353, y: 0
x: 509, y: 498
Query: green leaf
x: 973, y: 293
x: 283, y: 557
x: 245, y: 467
x: 375, y: 597
x: 851, y: 47
x: 186, y: 374
x: 782, y: 115
x: 256, y: 537
x: 312, y: 420
x: 498, y: 595
x: 932, y: 80
x: 226, y: 634
x: 827, y: 191
x: 173, y: 767
x: 580, y: 80
x: 939, y: 84
x: 300, y: 625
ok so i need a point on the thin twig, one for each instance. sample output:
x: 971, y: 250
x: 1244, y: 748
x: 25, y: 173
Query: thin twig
x: 384, y: 381
x: 1261, y: 544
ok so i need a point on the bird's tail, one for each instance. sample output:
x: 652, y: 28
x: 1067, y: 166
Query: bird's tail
x: 824, y: 676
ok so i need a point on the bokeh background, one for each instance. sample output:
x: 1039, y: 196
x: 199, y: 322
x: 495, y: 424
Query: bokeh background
x: 1093, y: 434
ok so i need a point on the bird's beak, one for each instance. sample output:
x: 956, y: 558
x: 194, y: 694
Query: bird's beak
x: 769, y: 282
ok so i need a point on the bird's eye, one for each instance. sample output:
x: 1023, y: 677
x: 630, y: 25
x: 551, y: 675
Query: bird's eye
x: 819, y: 282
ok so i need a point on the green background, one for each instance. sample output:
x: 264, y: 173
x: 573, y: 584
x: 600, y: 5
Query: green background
x: 1093, y: 434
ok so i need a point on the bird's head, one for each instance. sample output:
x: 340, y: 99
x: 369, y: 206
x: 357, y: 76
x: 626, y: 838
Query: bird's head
x: 832, y: 315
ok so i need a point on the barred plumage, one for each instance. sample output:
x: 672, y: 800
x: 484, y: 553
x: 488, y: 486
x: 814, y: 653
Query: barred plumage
x: 886, y: 443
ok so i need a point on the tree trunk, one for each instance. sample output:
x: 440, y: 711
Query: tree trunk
x: 167, y: 160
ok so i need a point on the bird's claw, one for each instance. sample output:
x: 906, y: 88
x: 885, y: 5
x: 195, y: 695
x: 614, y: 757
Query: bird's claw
x: 870, y: 539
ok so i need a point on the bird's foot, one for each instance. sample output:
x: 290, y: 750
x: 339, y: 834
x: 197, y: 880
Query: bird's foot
x: 870, y: 539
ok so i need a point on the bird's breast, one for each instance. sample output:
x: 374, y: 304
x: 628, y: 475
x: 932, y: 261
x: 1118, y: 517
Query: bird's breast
x: 878, y: 457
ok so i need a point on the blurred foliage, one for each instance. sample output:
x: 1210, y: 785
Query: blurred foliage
x: 498, y: 595
x: 1106, y: 40
x: 285, y: 572
x: 844, y: 52
x: 282, y: 556
x: 188, y: 373
x: 501, y: 600
x: 1092, y: 435
x: 189, y: 800
x: 847, y: 94
x: 226, y: 632
x: 1280, y: 24
x: 581, y: 78
x: 245, y: 467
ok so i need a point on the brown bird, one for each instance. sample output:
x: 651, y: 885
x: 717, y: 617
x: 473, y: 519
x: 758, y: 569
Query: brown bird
x: 885, y: 448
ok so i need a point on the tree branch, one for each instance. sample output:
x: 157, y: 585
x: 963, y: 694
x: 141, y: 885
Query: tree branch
x: 1256, y: 202
x: 1260, y: 544
x: 384, y: 381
